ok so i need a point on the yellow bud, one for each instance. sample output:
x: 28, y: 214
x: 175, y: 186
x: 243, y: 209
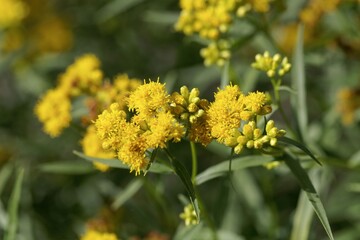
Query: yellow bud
x: 238, y: 148
x: 257, y: 133
x: 250, y: 144
x: 193, y: 107
x: 257, y: 144
x: 273, y: 141
x: 184, y: 91
x: 194, y: 93
x: 269, y: 125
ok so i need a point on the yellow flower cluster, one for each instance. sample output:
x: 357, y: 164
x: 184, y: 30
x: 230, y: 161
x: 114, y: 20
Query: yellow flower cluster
x: 273, y: 66
x: 191, y: 110
x: 211, y: 20
x: 54, y: 109
x: 151, y: 126
x: 208, y: 18
x: 315, y: 9
x: 12, y: 13
x: 41, y: 29
x: 189, y: 215
x: 217, y: 53
x: 349, y: 103
x: 83, y: 76
x: 230, y: 109
x: 95, y: 235
x: 158, y: 117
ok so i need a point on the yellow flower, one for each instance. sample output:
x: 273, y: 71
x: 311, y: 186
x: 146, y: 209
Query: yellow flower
x: 52, y: 34
x: 95, y: 235
x: 348, y: 104
x: 109, y: 126
x: 92, y: 147
x: 84, y: 75
x: 255, y: 103
x: 189, y: 215
x: 189, y: 108
x: 12, y: 12
x: 205, y: 17
x: 224, y: 114
x: 118, y: 91
x: 149, y: 99
x: 216, y: 53
x: 54, y: 111
x: 163, y: 128
x: 273, y: 66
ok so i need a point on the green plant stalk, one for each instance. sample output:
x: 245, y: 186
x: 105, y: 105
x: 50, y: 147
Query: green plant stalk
x: 194, y: 162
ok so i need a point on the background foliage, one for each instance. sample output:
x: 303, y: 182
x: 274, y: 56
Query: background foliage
x: 48, y: 192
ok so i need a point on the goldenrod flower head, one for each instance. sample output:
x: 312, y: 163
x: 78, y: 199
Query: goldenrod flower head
x: 315, y: 9
x: 149, y: 99
x: 163, y: 128
x: 52, y: 34
x: 117, y: 92
x: 255, y: 103
x: 275, y: 65
x: 12, y: 12
x: 348, y: 104
x: 200, y: 131
x: 189, y: 215
x: 92, y: 146
x: 272, y: 165
x: 54, y: 111
x: 216, y: 53
x: 205, y: 17
x: 109, y: 126
x: 224, y: 113
x: 96, y: 235
x: 84, y: 75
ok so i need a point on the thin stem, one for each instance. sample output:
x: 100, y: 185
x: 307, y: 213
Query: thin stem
x: 194, y: 162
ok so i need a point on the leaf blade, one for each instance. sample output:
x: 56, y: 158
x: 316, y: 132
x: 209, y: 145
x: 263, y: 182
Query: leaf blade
x: 237, y: 164
x: 306, y: 184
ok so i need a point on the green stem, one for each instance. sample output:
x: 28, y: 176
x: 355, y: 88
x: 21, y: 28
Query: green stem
x: 194, y: 162
x: 225, y: 75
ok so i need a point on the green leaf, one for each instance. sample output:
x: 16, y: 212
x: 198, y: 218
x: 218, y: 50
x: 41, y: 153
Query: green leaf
x: 185, y: 177
x: 304, y: 212
x: 300, y: 146
x: 115, y: 163
x: 5, y: 173
x: 13, y: 207
x: 67, y: 167
x: 307, y: 186
x: 114, y: 8
x: 299, y: 83
x: 237, y: 164
x: 131, y: 189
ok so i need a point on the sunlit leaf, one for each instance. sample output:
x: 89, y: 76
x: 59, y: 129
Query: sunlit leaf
x: 13, y: 207
x: 185, y: 177
x: 308, y: 187
x: 131, y: 189
x: 237, y: 164
x: 67, y: 167
x: 299, y: 83
x: 115, y: 163
x: 300, y: 146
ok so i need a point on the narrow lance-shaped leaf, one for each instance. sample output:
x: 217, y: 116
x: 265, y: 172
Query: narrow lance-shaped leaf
x: 299, y: 83
x: 307, y: 186
x: 13, y: 207
x: 185, y: 177
x: 237, y: 164
x: 116, y: 163
x: 300, y: 146
x: 131, y: 189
